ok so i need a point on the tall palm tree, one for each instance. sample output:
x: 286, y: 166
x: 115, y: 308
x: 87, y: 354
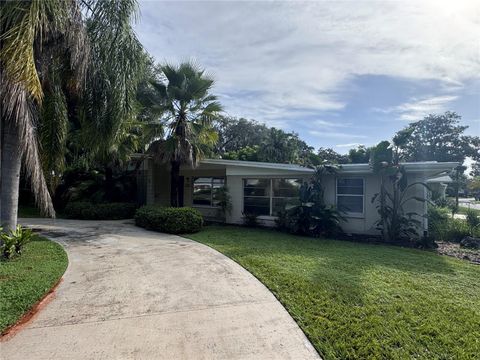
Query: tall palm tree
x: 189, y: 110
x: 54, y: 51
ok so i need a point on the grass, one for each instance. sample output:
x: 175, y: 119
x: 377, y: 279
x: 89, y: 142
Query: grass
x: 361, y: 301
x: 25, y: 279
x: 463, y: 210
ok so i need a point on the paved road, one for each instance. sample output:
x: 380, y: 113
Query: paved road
x: 134, y: 294
x: 469, y: 203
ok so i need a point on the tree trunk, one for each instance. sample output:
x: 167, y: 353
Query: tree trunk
x: 10, y: 175
x: 174, y: 179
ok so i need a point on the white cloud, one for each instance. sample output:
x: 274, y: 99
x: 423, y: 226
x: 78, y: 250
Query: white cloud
x: 350, y: 145
x: 281, y: 61
x: 417, y: 109
x: 335, y: 135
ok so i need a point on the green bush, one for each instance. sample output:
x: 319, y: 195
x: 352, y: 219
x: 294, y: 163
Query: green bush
x: 473, y: 221
x: 442, y: 227
x: 169, y: 220
x: 13, y: 242
x: 108, y: 211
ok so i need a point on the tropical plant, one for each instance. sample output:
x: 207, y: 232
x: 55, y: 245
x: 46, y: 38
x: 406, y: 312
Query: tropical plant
x: 473, y: 221
x: 13, y: 241
x: 395, y: 224
x: 312, y: 217
x: 188, y: 108
x: 224, y: 201
x: 57, y: 76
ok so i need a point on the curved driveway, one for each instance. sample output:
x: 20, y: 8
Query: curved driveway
x: 129, y: 293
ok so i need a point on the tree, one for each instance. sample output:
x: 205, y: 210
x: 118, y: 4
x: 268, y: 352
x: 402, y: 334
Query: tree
x: 359, y: 155
x: 279, y: 147
x: 439, y: 138
x: 188, y: 112
x: 51, y: 51
x: 330, y: 156
x: 235, y: 134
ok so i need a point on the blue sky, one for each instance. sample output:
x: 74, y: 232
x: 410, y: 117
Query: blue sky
x: 337, y: 73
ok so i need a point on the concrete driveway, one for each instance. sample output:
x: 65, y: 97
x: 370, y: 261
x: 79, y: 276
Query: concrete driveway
x: 133, y: 294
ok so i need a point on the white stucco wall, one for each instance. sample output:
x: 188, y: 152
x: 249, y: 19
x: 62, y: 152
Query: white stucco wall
x: 364, y: 223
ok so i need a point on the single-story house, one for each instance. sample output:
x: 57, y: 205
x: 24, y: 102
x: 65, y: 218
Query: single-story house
x: 439, y: 185
x: 265, y: 188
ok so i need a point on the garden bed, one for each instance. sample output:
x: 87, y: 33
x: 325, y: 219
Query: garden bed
x: 454, y: 250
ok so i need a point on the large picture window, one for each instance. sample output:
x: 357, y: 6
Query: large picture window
x: 350, y: 195
x: 205, y: 190
x: 269, y: 196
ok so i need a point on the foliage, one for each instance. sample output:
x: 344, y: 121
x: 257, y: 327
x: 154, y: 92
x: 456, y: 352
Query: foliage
x: 80, y: 184
x: 363, y: 301
x: 188, y: 109
x: 312, y: 217
x: 248, y: 153
x: 330, y: 156
x: 11, y: 243
x: 169, y: 219
x: 439, y: 138
x: 394, y: 223
x: 443, y: 202
x: 359, y: 155
x: 83, y: 210
x: 250, y: 219
x: 281, y: 147
x: 24, y: 280
x: 235, y: 134
x: 224, y: 200
x: 473, y: 221
x: 442, y: 227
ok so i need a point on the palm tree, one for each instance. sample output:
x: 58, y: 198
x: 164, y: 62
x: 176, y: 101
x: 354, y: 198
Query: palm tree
x: 53, y: 53
x: 189, y: 110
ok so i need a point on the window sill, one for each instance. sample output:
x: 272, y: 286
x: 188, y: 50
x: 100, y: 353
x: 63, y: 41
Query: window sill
x: 267, y: 217
x: 354, y: 216
x: 205, y: 207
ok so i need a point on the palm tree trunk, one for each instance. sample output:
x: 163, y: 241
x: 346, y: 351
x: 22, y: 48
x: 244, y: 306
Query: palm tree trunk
x: 10, y: 175
x: 174, y: 179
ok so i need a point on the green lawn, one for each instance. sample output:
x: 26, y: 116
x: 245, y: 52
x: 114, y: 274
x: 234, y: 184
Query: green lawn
x: 360, y: 301
x: 26, y: 278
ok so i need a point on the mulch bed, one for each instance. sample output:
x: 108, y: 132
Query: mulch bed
x: 454, y: 249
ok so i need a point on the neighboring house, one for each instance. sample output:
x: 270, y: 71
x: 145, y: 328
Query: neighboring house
x: 265, y: 188
x: 439, y: 184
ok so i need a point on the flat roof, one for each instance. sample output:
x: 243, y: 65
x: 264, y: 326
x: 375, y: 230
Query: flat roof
x: 421, y: 166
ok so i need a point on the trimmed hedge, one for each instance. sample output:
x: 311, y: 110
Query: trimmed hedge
x: 83, y: 210
x: 169, y: 220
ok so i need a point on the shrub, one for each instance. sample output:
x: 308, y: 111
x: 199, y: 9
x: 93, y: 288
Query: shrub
x: 108, y: 211
x: 170, y: 220
x: 250, y: 219
x: 442, y: 227
x: 473, y: 221
x: 13, y: 242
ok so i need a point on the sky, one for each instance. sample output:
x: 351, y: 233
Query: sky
x: 337, y: 73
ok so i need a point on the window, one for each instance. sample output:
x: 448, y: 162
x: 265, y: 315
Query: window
x: 256, y: 196
x: 350, y: 195
x: 269, y: 196
x: 205, y: 190
x: 285, y: 194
